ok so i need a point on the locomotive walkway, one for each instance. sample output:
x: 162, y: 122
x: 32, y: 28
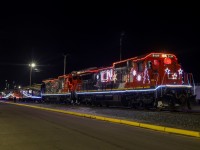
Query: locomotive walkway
x: 182, y: 123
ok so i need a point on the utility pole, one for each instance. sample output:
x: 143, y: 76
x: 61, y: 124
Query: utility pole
x: 121, y: 37
x: 6, y: 84
x: 65, y: 59
x: 32, y: 65
x: 30, y: 75
x: 65, y: 63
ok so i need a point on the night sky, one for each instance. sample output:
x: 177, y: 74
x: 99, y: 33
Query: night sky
x: 90, y: 36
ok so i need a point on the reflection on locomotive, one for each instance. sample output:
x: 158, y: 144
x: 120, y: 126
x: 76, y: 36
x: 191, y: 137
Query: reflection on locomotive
x: 155, y: 80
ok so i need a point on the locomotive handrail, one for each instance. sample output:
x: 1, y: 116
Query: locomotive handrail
x: 163, y: 79
x: 157, y: 79
x: 193, y: 83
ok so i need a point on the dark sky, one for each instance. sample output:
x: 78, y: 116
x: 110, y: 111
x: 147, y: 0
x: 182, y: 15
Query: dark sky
x: 90, y: 34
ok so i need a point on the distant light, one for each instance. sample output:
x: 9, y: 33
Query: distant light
x: 32, y: 65
x: 19, y: 87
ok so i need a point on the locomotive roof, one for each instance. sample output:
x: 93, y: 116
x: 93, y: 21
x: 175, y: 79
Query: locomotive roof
x: 48, y: 80
x: 155, y: 55
x: 95, y: 69
x: 145, y: 56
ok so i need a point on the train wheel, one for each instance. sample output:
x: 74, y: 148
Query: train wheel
x: 77, y: 102
x: 140, y: 105
x: 107, y: 104
x: 158, y: 104
x: 133, y: 106
x: 72, y: 102
x: 183, y: 101
x: 171, y: 105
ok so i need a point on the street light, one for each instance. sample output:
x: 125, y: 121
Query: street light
x: 32, y: 65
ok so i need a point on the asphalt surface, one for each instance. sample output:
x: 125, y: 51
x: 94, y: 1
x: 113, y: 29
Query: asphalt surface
x: 188, y: 120
x: 23, y: 128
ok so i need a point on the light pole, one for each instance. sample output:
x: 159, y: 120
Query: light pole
x: 32, y: 65
x: 65, y: 63
x: 6, y: 84
x: 65, y: 56
x: 121, y: 36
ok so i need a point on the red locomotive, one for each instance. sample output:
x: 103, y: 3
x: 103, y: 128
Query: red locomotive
x: 154, y: 80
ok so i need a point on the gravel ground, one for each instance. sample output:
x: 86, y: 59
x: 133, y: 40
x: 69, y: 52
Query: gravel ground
x: 182, y: 120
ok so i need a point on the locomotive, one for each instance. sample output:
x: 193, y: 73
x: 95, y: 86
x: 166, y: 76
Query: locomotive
x: 154, y: 80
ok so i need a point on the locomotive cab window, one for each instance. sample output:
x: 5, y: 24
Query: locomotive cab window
x: 156, y: 62
x: 149, y: 65
x: 75, y: 77
x: 70, y: 80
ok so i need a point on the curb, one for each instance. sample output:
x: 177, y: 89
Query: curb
x: 126, y: 122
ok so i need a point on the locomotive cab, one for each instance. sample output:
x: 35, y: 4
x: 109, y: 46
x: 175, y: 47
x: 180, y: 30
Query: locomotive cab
x: 174, y: 89
x: 164, y: 69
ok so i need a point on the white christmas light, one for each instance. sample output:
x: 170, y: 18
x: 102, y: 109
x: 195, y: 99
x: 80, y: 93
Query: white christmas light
x: 97, y: 77
x: 174, y: 76
x: 167, y: 70
x: 180, y: 71
x: 106, y: 75
x: 139, y: 77
x: 146, y: 74
x: 114, y: 78
x: 134, y: 73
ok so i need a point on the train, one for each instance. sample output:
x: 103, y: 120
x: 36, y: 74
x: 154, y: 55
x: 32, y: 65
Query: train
x: 155, y: 80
